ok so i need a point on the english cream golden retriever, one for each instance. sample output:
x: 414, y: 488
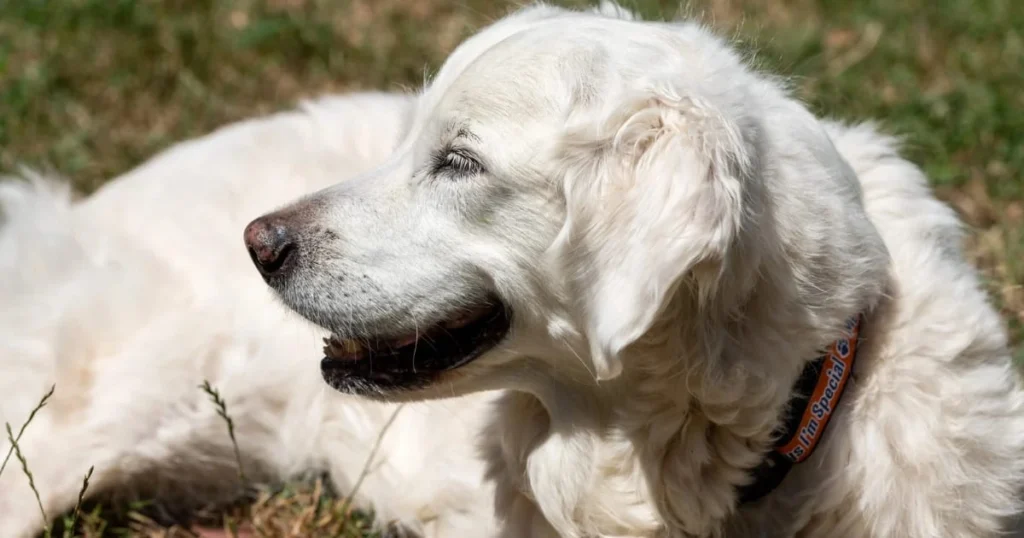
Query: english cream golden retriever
x: 600, y: 278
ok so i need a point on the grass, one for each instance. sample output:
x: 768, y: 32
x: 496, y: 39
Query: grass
x: 91, y: 88
x: 16, y: 449
x: 71, y: 521
x: 31, y: 479
x: 222, y: 412
x: 21, y: 431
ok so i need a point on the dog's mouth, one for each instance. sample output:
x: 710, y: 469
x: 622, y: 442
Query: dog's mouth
x: 377, y: 364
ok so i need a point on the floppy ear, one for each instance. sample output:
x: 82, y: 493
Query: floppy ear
x: 657, y: 198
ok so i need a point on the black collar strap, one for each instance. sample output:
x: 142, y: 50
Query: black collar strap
x: 816, y: 396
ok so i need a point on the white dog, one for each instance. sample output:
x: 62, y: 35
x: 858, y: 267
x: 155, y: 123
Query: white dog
x: 640, y: 241
x: 131, y: 298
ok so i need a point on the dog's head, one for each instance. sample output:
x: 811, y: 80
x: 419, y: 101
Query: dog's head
x: 566, y: 177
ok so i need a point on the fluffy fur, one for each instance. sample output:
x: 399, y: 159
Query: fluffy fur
x: 132, y: 297
x: 676, y: 235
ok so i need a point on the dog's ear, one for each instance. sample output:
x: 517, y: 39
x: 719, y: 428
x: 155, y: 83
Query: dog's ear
x: 656, y: 199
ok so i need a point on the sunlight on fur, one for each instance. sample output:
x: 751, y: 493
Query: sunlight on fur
x: 668, y: 234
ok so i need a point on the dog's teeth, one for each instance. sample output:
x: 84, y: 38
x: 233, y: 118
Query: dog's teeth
x: 351, y: 346
x: 342, y: 349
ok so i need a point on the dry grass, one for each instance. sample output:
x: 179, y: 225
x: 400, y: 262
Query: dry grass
x: 94, y: 87
x: 299, y: 511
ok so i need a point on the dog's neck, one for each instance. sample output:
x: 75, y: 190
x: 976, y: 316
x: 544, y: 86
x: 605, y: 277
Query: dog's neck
x: 692, y: 414
x: 667, y: 443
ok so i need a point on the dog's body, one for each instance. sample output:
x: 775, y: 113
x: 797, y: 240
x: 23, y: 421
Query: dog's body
x: 644, y: 371
x: 129, y: 299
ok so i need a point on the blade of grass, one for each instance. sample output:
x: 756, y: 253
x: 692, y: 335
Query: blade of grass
x: 346, y: 506
x: 72, y: 522
x: 31, y: 479
x: 32, y: 415
x: 222, y: 410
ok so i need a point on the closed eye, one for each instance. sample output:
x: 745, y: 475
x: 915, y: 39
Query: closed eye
x: 456, y: 162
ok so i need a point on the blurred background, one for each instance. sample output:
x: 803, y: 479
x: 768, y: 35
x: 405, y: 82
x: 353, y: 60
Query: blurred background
x: 91, y: 88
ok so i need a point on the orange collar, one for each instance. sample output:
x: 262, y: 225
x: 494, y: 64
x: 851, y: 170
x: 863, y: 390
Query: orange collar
x: 816, y: 395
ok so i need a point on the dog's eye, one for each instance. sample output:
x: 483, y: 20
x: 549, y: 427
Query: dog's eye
x: 457, y: 162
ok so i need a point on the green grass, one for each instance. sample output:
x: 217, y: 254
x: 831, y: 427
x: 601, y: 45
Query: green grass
x: 91, y: 88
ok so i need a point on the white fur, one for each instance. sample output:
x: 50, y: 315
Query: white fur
x: 131, y: 298
x: 675, y: 234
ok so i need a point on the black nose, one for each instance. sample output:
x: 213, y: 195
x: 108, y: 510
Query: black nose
x: 271, y: 244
